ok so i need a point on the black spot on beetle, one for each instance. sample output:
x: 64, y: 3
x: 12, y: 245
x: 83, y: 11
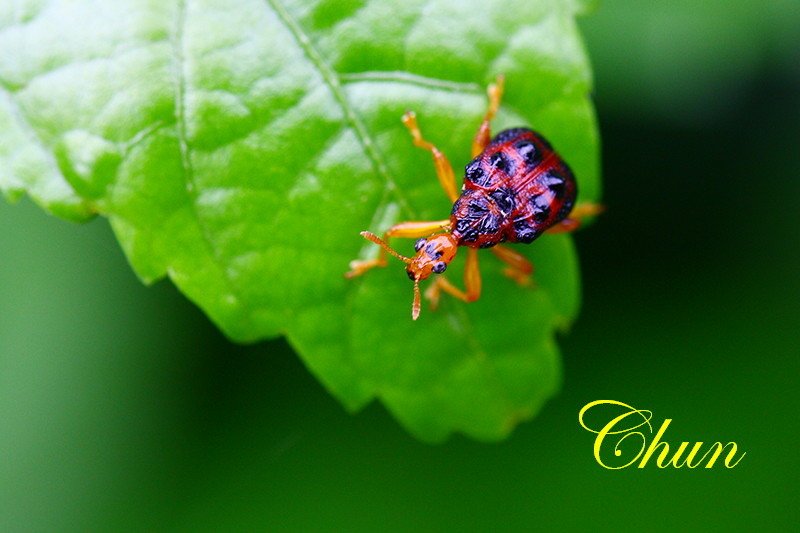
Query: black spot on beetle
x: 566, y: 207
x: 540, y: 207
x: 477, y: 207
x: 523, y: 232
x: 475, y: 173
x: 432, y: 252
x: 528, y: 152
x: 462, y: 225
x: 555, y: 183
x: 507, y: 135
x: 504, y: 200
x: 419, y: 244
x: 439, y: 267
x: 410, y: 274
x: 489, y: 224
x: 470, y: 236
x: 551, y: 177
x: 501, y: 162
x: 456, y: 207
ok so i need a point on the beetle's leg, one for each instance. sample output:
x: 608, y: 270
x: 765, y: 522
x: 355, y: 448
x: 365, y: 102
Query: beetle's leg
x: 472, y: 282
x: 495, y: 92
x: 414, y: 230
x: 403, y: 230
x: 444, y: 171
x: 576, y: 217
x: 519, y: 268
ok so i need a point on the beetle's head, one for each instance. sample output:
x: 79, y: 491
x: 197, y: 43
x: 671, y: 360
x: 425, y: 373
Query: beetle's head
x: 432, y: 257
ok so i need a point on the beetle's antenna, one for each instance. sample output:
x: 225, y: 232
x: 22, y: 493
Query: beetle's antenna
x: 415, y: 307
x: 377, y: 240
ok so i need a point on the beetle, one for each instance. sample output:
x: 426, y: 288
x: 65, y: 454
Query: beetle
x: 515, y: 189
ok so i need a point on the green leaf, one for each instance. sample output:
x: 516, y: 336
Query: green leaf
x: 239, y: 148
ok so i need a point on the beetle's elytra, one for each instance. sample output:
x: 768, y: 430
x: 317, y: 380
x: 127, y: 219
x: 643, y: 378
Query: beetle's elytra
x: 515, y: 189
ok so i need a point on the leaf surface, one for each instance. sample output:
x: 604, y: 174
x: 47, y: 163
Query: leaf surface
x: 238, y: 147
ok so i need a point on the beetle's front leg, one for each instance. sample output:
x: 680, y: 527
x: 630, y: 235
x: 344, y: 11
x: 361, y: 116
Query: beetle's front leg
x: 472, y: 282
x: 403, y: 230
x: 444, y: 170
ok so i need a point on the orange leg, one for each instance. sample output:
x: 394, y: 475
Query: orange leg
x: 444, y: 171
x: 482, y: 138
x: 519, y: 268
x: 403, y: 230
x: 576, y: 217
x: 472, y: 282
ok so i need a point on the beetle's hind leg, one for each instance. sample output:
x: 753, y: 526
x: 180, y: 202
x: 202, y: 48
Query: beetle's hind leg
x: 484, y: 135
x: 519, y: 268
x: 575, y: 218
x: 403, y: 230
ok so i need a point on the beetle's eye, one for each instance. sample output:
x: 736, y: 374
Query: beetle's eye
x: 419, y: 244
x: 439, y: 267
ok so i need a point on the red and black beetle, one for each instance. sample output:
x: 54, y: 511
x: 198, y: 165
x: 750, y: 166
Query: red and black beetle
x: 515, y: 189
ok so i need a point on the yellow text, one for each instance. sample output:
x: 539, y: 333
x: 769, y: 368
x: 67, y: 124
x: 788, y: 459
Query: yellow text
x: 625, y: 431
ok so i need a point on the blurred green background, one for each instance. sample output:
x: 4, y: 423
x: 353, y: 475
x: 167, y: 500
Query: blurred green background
x: 122, y: 408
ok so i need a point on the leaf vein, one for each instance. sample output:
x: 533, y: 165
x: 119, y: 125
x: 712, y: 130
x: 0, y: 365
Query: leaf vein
x: 183, y: 145
x: 408, y: 78
x: 332, y: 79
